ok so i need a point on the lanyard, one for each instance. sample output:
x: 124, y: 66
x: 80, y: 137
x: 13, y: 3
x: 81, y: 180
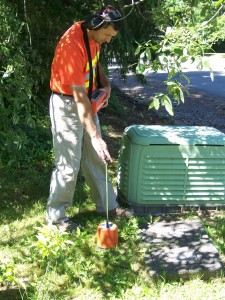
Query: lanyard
x: 84, y: 29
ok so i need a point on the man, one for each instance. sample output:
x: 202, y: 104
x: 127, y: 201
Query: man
x: 76, y: 131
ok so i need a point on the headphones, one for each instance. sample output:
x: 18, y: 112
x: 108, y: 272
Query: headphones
x: 97, y: 21
x: 107, y: 17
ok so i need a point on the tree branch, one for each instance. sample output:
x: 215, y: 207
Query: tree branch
x: 214, y: 16
x: 26, y: 18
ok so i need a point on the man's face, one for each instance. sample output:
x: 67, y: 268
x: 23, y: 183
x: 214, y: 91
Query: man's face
x: 103, y: 35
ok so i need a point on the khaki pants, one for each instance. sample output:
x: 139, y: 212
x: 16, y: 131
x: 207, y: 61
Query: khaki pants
x: 73, y: 148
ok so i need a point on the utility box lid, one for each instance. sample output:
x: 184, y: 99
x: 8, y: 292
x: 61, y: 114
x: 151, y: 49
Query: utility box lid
x: 176, y: 135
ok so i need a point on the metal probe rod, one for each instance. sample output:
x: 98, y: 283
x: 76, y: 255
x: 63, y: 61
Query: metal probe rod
x: 107, y: 196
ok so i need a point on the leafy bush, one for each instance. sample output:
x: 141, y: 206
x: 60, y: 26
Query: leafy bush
x: 17, y: 88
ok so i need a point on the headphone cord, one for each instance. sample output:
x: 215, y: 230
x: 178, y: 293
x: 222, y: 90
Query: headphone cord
x: 122, y: 18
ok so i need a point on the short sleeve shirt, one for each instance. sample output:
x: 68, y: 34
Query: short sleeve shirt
x: 70, y: 64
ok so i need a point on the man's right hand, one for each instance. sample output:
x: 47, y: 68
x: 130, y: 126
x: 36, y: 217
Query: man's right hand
x: 101, y: 148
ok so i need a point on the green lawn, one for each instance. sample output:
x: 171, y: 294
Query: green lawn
x: 38, y: 262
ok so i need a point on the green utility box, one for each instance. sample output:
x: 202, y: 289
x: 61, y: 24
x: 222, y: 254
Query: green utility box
x: 165, y: 168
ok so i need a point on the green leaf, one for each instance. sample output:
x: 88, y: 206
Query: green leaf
x: 69, y: 242
x: 218, y: 3
x: 178, y: 51
x: 78, y: 231
x: 140, y: 68
x: 172, y: 73
x: 171, y: 83
x: 199, y: 63
x: 41, y: 238
x: 207, y: 64
x: 181, y: 94
x: 15, y: 119
x: 154, y: 48
x: 154, y: 104
x: 184, y: 59
x: 168, y: 105
x: 138, y: 50
x: 142, y: 55
x: 148, y: 54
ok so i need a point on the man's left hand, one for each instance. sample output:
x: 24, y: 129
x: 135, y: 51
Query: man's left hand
x: 107, y: 90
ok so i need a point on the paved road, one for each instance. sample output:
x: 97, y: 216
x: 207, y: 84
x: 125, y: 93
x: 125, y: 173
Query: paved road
x: 200, y: 80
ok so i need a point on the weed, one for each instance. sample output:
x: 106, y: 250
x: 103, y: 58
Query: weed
x: 51, y: 243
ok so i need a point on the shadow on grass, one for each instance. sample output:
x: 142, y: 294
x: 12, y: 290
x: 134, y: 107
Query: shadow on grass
x: 21, y: 189
x: 12, y: 294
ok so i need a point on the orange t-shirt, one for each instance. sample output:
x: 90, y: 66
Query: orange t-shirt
x: 70, y: 64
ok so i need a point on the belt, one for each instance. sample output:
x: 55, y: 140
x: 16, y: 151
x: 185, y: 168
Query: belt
x: 61, y: 94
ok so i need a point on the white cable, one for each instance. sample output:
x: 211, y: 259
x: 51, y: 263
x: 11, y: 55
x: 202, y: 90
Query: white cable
x: 120, y: 19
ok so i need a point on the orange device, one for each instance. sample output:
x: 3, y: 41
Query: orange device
x: 107, y: 234
x: 97, y: 100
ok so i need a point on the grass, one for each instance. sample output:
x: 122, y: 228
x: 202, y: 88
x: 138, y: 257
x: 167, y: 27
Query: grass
x: 38, y: 262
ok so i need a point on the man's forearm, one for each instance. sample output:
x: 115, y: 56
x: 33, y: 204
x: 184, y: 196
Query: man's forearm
x: 103, y: 78
x: 86, y: 117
